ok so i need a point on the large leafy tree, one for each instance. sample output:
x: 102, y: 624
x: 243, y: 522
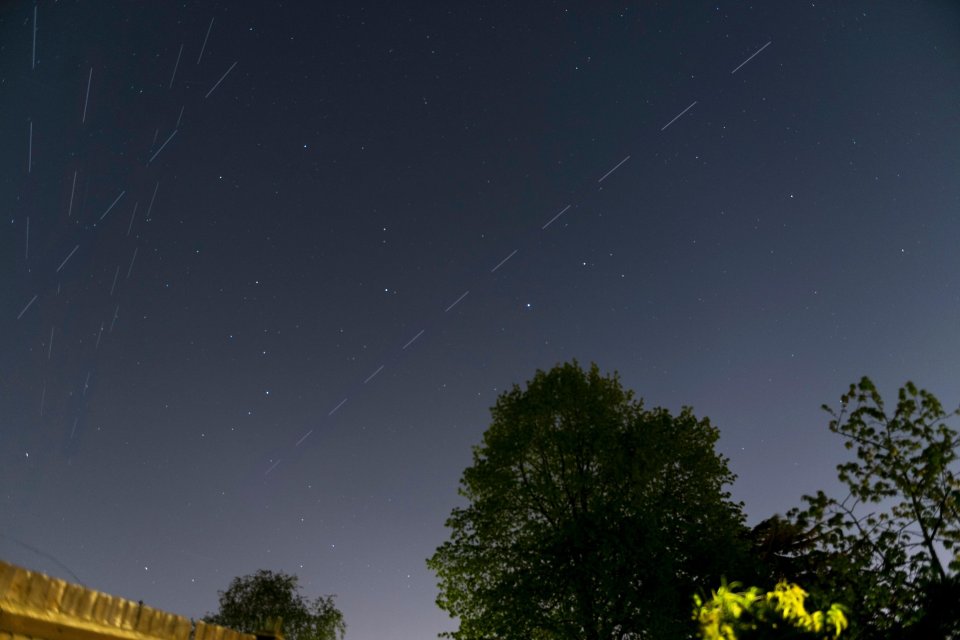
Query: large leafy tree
x: 589, y: 517
x: 889, y: 550
x: 255, y: 602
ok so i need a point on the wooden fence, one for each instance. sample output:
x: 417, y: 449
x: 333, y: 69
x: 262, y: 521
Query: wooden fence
x: 34, y: 606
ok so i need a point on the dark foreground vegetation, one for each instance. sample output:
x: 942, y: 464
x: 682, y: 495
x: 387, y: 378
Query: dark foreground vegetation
x: 592, y: 517
x: 268, y: 601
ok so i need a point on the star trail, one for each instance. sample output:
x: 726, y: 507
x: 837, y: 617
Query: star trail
x: 375, y: 219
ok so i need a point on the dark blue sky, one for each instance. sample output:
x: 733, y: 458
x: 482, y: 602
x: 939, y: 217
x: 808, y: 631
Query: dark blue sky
x: 310, y: 199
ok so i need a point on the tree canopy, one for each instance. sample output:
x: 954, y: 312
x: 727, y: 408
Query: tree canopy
x: 890, y: 550
x: 254, y: 602
x: 589, y: 517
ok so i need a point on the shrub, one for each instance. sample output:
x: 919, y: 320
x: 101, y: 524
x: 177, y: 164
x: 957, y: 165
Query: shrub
x: 752, y: 614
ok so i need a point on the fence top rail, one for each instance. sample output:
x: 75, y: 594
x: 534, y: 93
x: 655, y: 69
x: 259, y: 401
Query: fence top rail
x: 38, y: 606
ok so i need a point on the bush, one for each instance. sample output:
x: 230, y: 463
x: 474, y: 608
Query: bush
x: 752, y: 614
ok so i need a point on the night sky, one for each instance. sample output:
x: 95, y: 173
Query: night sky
x: 267, y: 266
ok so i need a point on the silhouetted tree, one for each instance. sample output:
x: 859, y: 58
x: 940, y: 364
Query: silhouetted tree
x: 589, y: 517
x: 880, y: 548
x: 781, y: 548
x: 255, y: 602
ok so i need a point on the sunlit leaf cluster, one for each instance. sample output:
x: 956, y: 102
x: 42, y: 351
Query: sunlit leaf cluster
x: 753, y: 614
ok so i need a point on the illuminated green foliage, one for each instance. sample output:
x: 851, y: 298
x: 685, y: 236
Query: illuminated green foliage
x: 752, y: 614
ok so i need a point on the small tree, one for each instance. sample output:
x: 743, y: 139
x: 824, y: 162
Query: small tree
x: 589, y: 517
x: 255, y: 602
x: 881, y: 547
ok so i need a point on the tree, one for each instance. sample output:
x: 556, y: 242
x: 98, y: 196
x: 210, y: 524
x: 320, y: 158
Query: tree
x: 781, y: 547
x: 786, y: 550
x: 588, y: 517
x: 254, y: 602
x: 885, y: 540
